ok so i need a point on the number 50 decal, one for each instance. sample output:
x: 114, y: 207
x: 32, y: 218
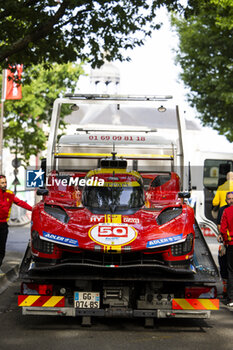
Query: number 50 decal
x: 112, y: 234
x: 113, y: 231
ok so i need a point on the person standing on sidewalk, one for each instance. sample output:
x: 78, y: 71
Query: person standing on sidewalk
x: 222, y: 259
x: 7, y: 198
x: 226, y: 230
x: 220, y: 196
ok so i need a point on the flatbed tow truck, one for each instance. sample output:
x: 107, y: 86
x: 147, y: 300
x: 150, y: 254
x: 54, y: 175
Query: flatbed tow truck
x: 131, y: 247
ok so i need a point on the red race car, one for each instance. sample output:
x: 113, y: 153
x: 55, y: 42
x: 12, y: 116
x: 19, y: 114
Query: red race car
x: 113, y: 219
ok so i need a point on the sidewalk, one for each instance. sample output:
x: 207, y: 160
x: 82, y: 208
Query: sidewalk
x: 16, y: 245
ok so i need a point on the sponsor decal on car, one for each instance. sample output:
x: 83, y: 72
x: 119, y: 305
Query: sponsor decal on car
x: 165, y: 241
x: 112, y: 234
x: 97, y: 218
x: 107, y: 218
x: 130, y: 220
x: 60, y: 239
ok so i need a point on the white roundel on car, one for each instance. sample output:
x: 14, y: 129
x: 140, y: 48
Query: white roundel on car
x: 112, y: 234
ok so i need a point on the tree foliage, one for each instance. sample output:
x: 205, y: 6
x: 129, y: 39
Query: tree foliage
x: 206, y: 58
x: 35, y: 31
x: 224, y: 13
x: 23, y: 118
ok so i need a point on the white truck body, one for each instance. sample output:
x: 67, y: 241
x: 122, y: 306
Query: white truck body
x: 125, y: 122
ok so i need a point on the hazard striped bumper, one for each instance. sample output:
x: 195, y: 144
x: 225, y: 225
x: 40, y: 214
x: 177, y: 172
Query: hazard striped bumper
x: 195, y: 304
x: 178, y: 308
x: 41, y: 300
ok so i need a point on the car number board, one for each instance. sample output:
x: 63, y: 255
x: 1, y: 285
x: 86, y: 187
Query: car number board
x: 86, y: 300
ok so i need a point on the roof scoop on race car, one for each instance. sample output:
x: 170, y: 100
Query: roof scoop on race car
x: 113, y: 162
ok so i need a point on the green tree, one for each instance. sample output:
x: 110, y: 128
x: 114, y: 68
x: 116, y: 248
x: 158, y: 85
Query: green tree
x: 206, y: 58
x: 224, y: 13
x: 35, y: 31
x: 23, y: 118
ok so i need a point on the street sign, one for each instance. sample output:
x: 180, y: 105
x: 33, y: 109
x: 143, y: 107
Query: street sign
x: 16, y: 181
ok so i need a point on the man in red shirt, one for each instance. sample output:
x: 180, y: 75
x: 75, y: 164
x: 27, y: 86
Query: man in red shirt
x: 226, y: 230
x: 7, y: 198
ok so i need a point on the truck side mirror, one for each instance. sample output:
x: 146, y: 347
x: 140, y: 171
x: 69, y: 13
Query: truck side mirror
x: 42, y: 192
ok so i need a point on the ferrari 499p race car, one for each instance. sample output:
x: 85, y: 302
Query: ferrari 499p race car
x: 118, y: 223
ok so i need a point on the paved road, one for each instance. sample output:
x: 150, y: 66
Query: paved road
x: 54, y: 332
x: 17, y: 241
x: 18, y: 238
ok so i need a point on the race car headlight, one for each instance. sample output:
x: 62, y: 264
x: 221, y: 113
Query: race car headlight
x: 183, y: 248
x: 57, y: 212
x: 167, y: 215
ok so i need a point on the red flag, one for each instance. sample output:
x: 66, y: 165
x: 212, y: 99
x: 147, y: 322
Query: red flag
x: 13, y: 91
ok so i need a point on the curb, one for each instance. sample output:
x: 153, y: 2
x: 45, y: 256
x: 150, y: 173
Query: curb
x: 7, y: 278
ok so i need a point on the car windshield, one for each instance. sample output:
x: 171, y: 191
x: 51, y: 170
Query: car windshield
x: 113, y: 198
